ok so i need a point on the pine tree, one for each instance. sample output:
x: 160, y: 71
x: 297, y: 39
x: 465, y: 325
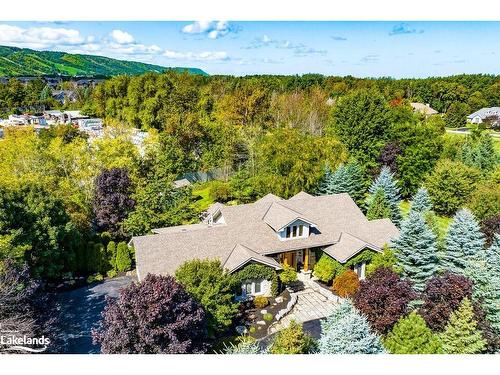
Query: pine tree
x: 378, y: 207
x: 355, y: 182
x: 410, y: 335
x: 461, y: 335
x: 388, y: 184
x: 421, y: 201
x: 464, y: 241
x: 324, y: 185
x: 123, y: 261
x: 346, y: 331
x: 493, y: 254
x: 415, y: 248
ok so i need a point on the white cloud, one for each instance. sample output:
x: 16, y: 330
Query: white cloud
x: 213, y: 29
x: 39, y: 37
x: 135, y: 49
x: 122, y: 37
x: 197, y: 56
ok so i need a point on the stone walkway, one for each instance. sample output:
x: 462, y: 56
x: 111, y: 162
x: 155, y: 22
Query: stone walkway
x: 310, y: 305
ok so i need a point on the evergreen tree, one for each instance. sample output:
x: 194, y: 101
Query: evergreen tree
x: 388, y: 184
x: 346, y: 331
x: 421, y: 201
x: 292, y: 340
x: 415, y: 248
x: 245, y: 346
x: 111, y: 252
x: 464, y: 241
x: 493, y: 254
x: 461, y: 335
x: 123, y: 261
x: 410, y: 335
x: 378, y: 207
x: 347, y: 178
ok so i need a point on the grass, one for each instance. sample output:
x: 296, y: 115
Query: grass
x: 496, y: 140
x: 443, y: 221
x: 202, y: 192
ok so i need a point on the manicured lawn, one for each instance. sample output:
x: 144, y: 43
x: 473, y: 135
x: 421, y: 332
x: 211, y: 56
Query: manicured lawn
x: 443, y: 221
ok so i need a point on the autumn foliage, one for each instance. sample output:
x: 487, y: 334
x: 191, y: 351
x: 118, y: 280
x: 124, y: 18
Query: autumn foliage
x: 346, y: 284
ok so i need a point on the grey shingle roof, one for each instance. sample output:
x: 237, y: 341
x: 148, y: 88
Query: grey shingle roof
x: 278, y: 216
x: 485, y: 112
x: 334, y: 216
x: 423, y: 108
x: 241, y: 255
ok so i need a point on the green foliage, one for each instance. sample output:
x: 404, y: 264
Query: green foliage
x: 464, y: 242
x: 347, y: 178
x: 421, y: 202
x: 111, y: 254
x: 327, y: 268
x: 461, y: 335
x: 346, y: 331
x: 220, y: 192
x: 416, y: 250
x: 450, y: 185
x: 256, y: 271
x: 378, y: 207
x: 288, y: 275
x: 268, y: 317
x: 292, y: 340
x: 456, y: 115
x: 386, y: 182
x: 123, y: 260
x: 246, y: 345
x: 410, y: 335
x: 213, y: 288
x: 386, y: 259
x: 28, y: 62
x: 485, y: 200
x: 479, y: 153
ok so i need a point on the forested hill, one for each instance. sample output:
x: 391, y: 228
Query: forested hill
x: 27, y: 62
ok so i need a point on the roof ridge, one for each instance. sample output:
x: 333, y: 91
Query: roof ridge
x: 352, y: 235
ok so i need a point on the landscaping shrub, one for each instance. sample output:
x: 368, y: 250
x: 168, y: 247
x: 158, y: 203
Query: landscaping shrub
x: 346, y: 331
x: 461, y: 335
x: 383, y: 297
x: 220, y: 191
x: 450, y: 185
x: 292, y: 340
x: 111, y: 253
x: 326, y: 268
x: 386, y: 259
x: 123, y: 260
x: 442, y: 295
x: 410, y: 335
x: 485, y: 200
x: 260, y: 302
x: 156, y: 315
x: 213, y: 288
x: 268, y: 317
x: 346, y: 284
x: 288, y: 275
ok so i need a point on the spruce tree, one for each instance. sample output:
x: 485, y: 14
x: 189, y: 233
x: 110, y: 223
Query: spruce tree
x: 410, y: 335
x: 416, y: 248
x: 347, y: 178
x: 388, y: 184
x: 123, y: 261
x: 464, y: 241
x: 421, y: 201
x: 461, y: 335
x: 493, y: 254
x: 378, y: 207
x: 346, y: 331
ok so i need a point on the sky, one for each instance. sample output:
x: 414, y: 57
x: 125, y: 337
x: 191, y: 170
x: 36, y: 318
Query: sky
x: 361, y: 49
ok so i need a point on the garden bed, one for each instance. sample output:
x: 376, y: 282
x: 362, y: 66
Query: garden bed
x: 257, y: 321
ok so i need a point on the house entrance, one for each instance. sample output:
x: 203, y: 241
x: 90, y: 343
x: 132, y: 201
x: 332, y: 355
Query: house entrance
x: 299, y: 259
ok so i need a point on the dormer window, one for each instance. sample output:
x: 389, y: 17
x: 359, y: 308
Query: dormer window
x: 293, y: 231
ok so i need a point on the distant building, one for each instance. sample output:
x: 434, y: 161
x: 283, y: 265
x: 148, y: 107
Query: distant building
x: 63, y: 117
x: 489, y: 114
x: 424, y: 109
x: 181, y: 183
x: 64, y: 96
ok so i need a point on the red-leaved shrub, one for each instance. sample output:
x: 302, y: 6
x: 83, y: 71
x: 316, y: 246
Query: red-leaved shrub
x: 346, y: 284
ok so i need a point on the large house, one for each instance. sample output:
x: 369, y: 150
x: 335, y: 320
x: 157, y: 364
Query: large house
x: 271, y: 231
x: 424, y: 109
x: 478, y: 117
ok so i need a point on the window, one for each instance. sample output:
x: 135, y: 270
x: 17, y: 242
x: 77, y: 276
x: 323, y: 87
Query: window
x: 287, y: 232
x: 301, y: 230
x: 247, y: 288
x: 294, y: 231
x: 257, y: 286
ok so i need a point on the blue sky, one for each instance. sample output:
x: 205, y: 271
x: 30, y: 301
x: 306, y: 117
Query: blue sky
x: 361, y: 49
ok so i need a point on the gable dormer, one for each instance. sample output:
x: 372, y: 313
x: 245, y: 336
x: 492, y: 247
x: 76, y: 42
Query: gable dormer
x: 287, y: 223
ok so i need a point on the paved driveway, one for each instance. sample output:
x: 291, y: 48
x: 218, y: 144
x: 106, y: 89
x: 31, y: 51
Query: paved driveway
x: 80, y: 311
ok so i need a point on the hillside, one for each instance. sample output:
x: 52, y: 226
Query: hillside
x: 27, y: 62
